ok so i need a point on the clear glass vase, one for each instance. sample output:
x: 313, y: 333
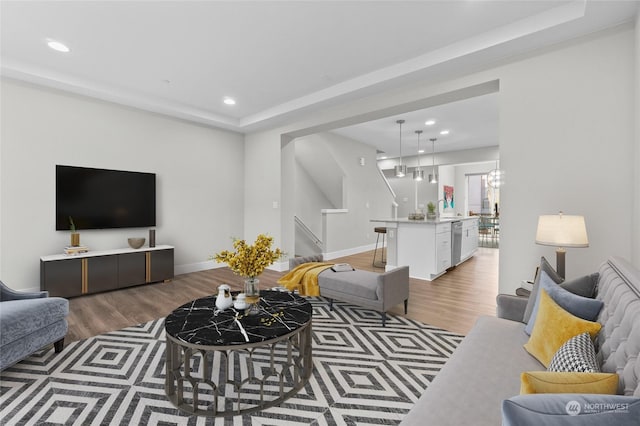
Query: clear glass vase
x: 252, y: 290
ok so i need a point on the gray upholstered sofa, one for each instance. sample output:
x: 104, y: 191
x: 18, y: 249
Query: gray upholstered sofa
x: 371, y: 290
x: 482, y: 377
x: 29, y: 322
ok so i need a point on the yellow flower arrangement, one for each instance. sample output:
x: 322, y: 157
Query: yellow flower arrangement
x: 249, y: 260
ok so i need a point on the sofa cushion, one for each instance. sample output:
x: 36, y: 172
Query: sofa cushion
x: 544, y: 267
x: 19, y: 318
x: 570, y: 409
x: 357, y: 283
x: 484, y: 370
x: 577, y: 354
x: 582, y: 286
x: 582, y: 307
x: 553, y: 327
x: 618, y: 344
x: 21, y: 348
x: 568, y: 382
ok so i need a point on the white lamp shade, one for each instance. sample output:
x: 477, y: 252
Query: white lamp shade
x: 562, y: 231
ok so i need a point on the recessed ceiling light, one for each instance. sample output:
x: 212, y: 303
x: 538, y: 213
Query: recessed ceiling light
x: 421, y: 151
x: 383, y: 158
x: 229, y: 101
x: 444, y: 132
x: 56, y: 45
x: 430, y: 122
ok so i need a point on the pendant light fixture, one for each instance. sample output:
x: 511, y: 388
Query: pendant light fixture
x: 433, y: 177
x: 418, y: 173
x: 495, y: 178
x: 400, y: 169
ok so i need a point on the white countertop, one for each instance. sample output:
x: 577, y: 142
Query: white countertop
x: 447, y: 219
x: 95, y: 253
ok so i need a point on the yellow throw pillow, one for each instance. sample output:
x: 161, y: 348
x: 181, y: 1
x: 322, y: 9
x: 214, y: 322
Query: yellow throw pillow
x: 568, y: 382
x: 553, y: 327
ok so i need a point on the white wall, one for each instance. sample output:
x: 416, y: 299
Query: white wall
x: 199, y: 192
x: 366, y: 196
x: 636, y: 218
x: 310, y: 200
x: 555, y: 132
x: 262, y: 175
x: 316, y: 159
x: 565, y: 112
x: 406, y: 189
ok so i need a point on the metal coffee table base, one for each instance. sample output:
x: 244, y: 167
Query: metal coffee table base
x: 217, y: 381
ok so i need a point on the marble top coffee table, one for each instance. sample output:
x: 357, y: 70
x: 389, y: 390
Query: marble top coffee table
x: 228, y: 363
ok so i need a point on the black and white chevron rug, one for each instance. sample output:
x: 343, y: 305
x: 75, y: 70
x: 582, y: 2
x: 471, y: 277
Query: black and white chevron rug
x: 363, y: 374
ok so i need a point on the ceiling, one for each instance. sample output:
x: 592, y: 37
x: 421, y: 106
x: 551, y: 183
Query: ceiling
x: 279, y: 60
x: 472, y: 123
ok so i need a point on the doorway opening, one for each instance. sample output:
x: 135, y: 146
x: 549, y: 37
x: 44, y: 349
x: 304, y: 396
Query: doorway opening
x: 483, y: 200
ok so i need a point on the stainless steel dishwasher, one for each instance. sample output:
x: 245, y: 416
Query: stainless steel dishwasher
x: 456, y: 242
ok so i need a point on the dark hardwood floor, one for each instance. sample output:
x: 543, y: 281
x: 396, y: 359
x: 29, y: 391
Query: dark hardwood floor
x: 453, y: 301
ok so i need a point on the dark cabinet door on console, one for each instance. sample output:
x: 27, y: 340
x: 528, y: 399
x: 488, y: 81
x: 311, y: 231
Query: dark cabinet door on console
x: 61, y: 278
x: 102, y: 273
x: 161, y: 265
x: 131, y: 269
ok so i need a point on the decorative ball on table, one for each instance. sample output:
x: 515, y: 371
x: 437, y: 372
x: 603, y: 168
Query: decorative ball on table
x: 249, y: 261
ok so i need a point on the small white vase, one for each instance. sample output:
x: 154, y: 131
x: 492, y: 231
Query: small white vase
x: 224, y: 299
x: 241, y: 302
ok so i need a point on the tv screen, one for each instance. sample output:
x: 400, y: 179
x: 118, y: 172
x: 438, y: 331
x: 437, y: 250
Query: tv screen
x: 103, y: 199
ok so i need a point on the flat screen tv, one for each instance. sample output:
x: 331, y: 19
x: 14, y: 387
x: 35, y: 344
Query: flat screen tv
x: 104, y: 199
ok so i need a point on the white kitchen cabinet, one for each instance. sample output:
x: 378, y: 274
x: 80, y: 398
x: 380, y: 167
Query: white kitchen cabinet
x: 425, y: 245
x: 469, y: 239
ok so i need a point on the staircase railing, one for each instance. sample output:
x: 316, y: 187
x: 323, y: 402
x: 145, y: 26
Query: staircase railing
x: 394, y: 204
x: 308, y: 232
x: 386, y: 181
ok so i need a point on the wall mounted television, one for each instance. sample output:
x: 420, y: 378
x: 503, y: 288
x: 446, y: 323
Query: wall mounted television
x: 104, y: 199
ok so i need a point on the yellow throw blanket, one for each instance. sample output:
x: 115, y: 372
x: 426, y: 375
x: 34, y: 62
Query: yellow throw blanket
x: 304, y: 278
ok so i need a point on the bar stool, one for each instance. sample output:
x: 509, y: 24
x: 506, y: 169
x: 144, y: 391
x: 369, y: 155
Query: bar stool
x: 379, y: 230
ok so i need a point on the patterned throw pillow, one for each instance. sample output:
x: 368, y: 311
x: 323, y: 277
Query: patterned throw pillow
x: 576, y: 355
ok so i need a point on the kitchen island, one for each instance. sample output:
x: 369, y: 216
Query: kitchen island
x: 429, y: 247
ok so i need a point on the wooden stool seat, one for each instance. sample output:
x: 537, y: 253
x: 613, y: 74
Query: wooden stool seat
x: 379, y: 230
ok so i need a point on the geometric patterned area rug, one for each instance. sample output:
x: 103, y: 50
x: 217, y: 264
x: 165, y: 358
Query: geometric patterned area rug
x: 363, y: 374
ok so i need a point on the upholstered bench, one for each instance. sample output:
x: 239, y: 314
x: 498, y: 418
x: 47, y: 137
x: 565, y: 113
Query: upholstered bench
x: 379, y: 292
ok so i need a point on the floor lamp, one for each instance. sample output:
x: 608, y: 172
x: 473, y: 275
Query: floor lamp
x: 561, y: 231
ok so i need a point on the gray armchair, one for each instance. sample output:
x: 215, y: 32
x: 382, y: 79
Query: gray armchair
x: 29, y: 322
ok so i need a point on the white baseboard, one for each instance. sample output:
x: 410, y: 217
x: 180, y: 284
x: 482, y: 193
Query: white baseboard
x: 196, y: 267
x: 348, y: 252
